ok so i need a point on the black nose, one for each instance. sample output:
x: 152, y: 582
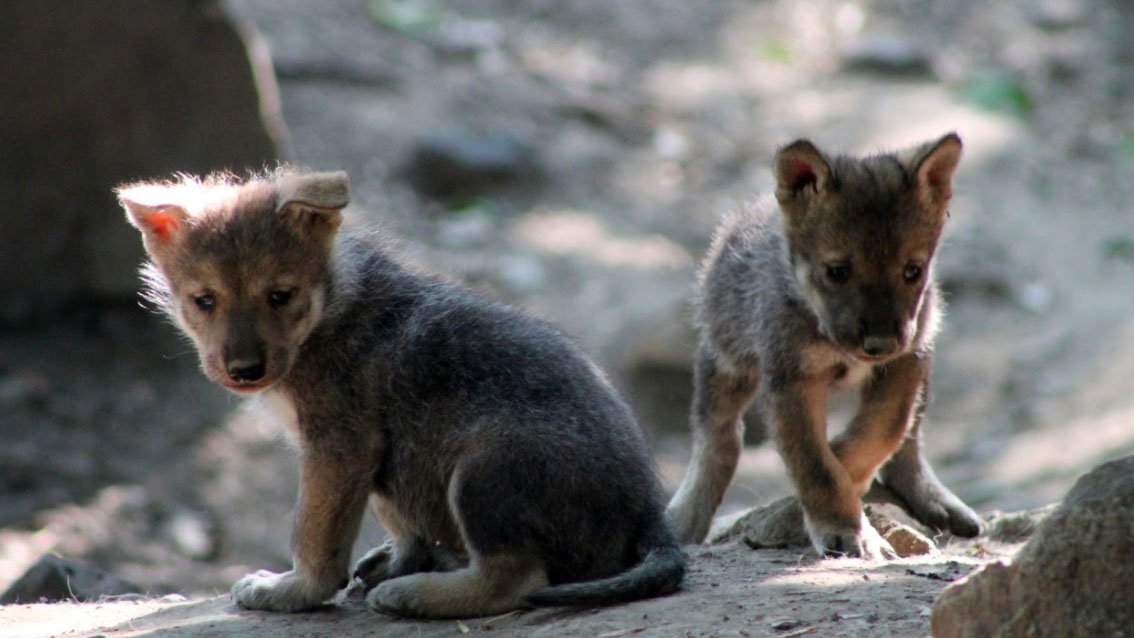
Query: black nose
x: 243, y: 371
x: 877, y: 346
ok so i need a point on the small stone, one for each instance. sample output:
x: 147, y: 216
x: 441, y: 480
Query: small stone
x: 465, y: 37
x: 1054, y: 15
x: 521, y: 274
x: 778, y: 524
x: 468, y: 229
x: 460, y: 163
x: 191, y: 533
x: 53, y: 578
x: 888, y: 55
x: 905, y: 540
x: 23, y: 389
x: 1034, y: 297
x: 1013, y: 527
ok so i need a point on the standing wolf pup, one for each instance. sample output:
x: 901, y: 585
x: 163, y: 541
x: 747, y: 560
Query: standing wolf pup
x: 503, y: 465
x: 834, y: 289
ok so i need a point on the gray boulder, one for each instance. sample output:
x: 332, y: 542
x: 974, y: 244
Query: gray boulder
x: 1075, y: 577
x: 53, y: 579
x: 97, y: 93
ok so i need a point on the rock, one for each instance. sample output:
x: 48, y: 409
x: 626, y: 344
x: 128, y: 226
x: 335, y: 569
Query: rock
x: 888, y: 55
x: 23, y: 389
x: 520, y: 274
x: 53, y: 578
x: 467, y: 230
x: 1014, y: 527
x: 1071, y: 579
x: 1054, y: 15
x: 173, y: 90
x: 460, y: 163
x: 780, y: 524
x: 904, y: 539
x: 192, y: 533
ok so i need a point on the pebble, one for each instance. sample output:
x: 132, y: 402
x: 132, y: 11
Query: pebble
x: 461, y: 163
x: 1054, y: 15
x: 888, y: 55
x: 53, y: 578
x: 521, y: 274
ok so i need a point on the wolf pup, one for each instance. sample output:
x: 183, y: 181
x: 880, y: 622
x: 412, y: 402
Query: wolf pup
x: 502, y: 463
x: 835, y: 289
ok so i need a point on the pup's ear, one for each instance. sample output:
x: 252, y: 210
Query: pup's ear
x: 150, y: 209
x: 932, y: 165
x: 801, y: 171
x: 313, y: 202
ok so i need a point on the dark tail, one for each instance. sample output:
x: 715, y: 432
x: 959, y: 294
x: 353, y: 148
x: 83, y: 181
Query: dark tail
x: 660, y: 570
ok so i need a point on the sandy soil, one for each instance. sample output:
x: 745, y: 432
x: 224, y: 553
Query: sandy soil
x: 649, y: 121
x: 731, y: 591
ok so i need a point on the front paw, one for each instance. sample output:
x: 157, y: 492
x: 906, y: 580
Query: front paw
x: 841, y: 539
x: 287, y: 592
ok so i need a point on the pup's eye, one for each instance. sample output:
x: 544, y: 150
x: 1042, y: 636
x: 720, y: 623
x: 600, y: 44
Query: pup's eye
x: 279, y: 298
x: 205, y: 302
x: 912, y: 273
x: 838, y: 273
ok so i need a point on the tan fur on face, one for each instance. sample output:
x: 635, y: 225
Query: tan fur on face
x: 237, y: 244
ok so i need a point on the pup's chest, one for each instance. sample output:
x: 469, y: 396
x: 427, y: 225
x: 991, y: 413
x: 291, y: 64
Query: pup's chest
x: 279, y: 408
x: 844, y: 371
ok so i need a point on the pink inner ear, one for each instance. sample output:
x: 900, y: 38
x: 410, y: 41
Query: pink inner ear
x: 939, y: 176
x: 162, y: 224
x: 801, y: 174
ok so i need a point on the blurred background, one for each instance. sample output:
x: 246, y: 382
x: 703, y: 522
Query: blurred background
x: 572, y: 157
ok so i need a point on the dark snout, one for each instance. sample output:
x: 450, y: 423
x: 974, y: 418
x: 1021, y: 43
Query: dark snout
x: 880, y: 346
x: 881, y: 329
x: 245, y: 362
x: 247, y: 370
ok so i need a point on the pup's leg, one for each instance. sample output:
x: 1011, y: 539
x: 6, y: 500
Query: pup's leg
x: 832, y: 507
x: 891, y: 401
x: 404, y: 552
x: 909, y: 475
x: 485, y: 504
x: 719, y: 399
x: 332, y: 497
x: 489, y: 585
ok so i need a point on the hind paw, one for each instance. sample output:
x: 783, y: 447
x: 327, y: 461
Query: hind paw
x: 375, y: 566
x: 939, y: 509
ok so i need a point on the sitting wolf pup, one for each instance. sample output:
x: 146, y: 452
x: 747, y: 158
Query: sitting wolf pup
x: 502, y: 463
x: 834, y: 289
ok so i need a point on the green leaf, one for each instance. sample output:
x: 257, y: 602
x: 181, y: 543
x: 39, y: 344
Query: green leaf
x: 998, y: 92
x: 407, y: 16
x: 1121, y: 248
x: 1126, y: 144
x: 777, y: 52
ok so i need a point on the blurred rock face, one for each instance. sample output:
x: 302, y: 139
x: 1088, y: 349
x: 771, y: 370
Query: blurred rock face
x: 1071, y: 579
x: 97, y: 94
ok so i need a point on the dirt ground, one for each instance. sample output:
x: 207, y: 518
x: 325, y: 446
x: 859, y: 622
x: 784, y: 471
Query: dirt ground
x: 731, y: 591
x: 644, y: 123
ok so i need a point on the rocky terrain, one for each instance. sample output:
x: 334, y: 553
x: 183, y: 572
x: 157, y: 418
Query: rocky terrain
x: 574, y: 157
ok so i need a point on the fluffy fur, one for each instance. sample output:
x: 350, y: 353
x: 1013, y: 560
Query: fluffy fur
x: 505, y: 468
x: 827, y: 285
